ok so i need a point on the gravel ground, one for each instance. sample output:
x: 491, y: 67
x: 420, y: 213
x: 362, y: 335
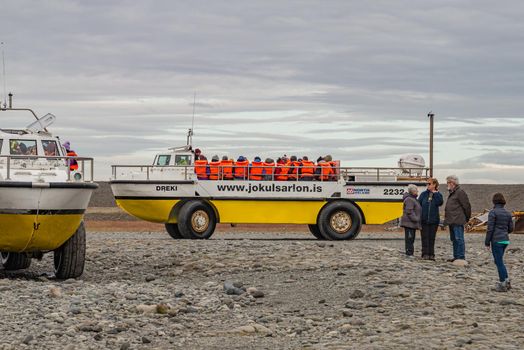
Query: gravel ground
x: 145, y: 290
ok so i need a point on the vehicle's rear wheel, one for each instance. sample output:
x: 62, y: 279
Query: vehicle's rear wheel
x: 69, y: 259
x: 339, y: 221
x: 315, y: 231
x: 173, y: 231
x: 15, y: 261
x: 196, y: 220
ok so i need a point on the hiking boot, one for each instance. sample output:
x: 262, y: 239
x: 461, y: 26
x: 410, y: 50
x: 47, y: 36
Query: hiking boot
x: 501, y: 287
x: 425, y: 257
x: 432, y: 257
x: 451, y: 260
x: 507, y: 284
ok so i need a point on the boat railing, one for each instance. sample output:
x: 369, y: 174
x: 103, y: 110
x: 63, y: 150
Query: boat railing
x: 230, y: 172
x: 43, y: 163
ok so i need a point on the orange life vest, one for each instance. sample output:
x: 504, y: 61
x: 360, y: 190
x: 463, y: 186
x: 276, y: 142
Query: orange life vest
x: 214, y: 170
x: 240, y: 169
x: 269, y: 169
x: 293, y: 171
x: 325, y: 170
x: 255, y: 171
x: 201, y: 169
x: 307, y: 170
x: 227, y: 169
x: 282, y: 171
x: 73, y: 164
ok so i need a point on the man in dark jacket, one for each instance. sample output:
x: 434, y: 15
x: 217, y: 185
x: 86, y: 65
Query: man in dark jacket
x: 430, y: 200
x: 457, y: 214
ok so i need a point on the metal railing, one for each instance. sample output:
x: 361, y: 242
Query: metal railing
x: 42, y: 163
x: 187, y: 172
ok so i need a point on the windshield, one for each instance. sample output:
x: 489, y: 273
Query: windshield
x: 23, y: 147
x: 163, y: 159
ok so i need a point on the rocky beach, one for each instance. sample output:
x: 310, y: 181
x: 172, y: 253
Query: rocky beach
x: 264, y: 291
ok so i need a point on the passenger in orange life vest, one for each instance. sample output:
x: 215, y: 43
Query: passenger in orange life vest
x: 240, y: 169
x: 294, y: 165
x: 333, y: 176
x: 324, y: 170
x: 307, y: 169
x: 269, y: 169
x: 227, y: 168
x: 73, y: 164
x: 281, y: 170
x: 256, y: 169
x: 202, y: 168
x: 214, y: 168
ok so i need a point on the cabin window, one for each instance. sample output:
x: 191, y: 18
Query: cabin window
x: 23, y: 147
x: 1, y: 145
x: 50, y: 148
x: 163, y: 159
x: 182, y: 159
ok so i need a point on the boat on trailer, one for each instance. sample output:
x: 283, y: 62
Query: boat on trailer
x: 42, y: 201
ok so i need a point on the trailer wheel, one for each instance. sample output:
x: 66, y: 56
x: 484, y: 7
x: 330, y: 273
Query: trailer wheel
x: 315, y: 231
x: 15, y: 261
x: 339, y: 221
x: 173, y: 231
x: 196, y: 220
x: 69, y: 259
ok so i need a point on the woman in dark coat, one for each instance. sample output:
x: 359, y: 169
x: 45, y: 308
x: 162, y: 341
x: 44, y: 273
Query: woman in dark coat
x: 500, y: 225
x: 430, y: 200
x: 410, y: 219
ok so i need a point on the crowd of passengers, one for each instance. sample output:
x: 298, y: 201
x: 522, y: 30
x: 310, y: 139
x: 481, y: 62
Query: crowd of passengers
x: 284, y: 169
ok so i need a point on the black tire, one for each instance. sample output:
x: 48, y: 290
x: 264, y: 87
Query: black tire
x: 69, y: 259
x: 173, y: 231
x: 339, y: 221
x: 15, y: 261
x: 315, y: 231
x: 196, y: 220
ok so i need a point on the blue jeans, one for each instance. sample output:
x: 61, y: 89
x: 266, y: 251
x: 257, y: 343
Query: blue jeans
x: 498, y: 255
x: 456, y: 234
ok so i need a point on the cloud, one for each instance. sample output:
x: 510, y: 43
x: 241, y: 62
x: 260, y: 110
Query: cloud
x: 353, y: 79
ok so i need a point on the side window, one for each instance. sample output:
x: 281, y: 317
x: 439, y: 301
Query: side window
x: 23, y: 147
x: 50, y: 148
x: 163, y: 159
x: 1, y: 141
x: 182, y: 159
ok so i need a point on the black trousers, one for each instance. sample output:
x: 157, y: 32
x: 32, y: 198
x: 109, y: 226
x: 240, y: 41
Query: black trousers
x: 410, y: 239
x: 428, y: 234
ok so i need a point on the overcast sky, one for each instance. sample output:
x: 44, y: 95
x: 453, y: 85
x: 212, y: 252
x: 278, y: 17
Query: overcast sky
x: 354, y: 79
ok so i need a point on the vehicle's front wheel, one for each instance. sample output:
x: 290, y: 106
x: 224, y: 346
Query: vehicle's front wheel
x: 339, y: 221
x: 315, y: 231
x: 196, y: 220
x: 15, y: 261
x: 173, y: 231
x: 69, y: 259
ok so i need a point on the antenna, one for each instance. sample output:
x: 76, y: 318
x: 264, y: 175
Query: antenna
x: 190, y: 132
x: 3, y: 75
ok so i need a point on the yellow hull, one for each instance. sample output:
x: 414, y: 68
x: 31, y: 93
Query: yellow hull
x: 26, y: 232
x: 259, y: 211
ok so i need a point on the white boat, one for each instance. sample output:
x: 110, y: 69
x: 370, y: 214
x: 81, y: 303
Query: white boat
x: 42, y: 201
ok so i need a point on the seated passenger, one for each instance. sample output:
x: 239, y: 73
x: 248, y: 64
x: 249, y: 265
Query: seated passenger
x: 269, y: 169
x: 227, y: 168
x: 334, y: 165
x: 256, y: 169
x: 282, y: 169
x: 202, y: 168
x: 240, y: 169
x: 214, y: 168
x: 294, y: 165
x: 324, y: 169
x: 307, y: 169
